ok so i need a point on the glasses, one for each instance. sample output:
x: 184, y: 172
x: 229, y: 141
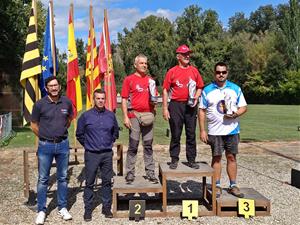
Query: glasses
x: 221, y: 72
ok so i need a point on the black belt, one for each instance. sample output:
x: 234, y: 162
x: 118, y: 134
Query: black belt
x: 182, y: 102
x: 57, y: 140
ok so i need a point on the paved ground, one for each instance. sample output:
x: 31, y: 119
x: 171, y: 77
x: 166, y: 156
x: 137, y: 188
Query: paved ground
x: 266, y: 167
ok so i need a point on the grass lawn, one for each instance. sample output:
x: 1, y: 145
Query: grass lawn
x: 260, y: 123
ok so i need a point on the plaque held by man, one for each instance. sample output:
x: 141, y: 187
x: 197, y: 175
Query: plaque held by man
x: 230, y: 106
x: 192, y: 92
x: 152, y: 90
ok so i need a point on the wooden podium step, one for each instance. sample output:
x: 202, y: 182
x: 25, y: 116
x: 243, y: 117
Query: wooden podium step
x: 227, y: 204
x: 140, y: 186
x: 183, y: 171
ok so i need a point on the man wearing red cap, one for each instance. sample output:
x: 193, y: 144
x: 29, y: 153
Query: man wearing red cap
x: 183, y: 85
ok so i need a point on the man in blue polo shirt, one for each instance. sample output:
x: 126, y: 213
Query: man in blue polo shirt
x: 222, y: 102
x: 51, y: 118
x: 97, y: 130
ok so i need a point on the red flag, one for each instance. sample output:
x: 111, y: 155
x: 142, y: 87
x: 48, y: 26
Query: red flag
x: 73, y: 78
x: 92, y: 68
x: 106, y: 67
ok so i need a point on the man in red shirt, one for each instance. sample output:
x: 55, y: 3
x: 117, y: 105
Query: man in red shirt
x: 136, y: 99
x: 182, y: 85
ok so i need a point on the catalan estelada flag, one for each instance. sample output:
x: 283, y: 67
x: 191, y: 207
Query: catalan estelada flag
x: 92, y: 68
x: 73, y: 78
x: 31, y: 68
x: 106, y: 67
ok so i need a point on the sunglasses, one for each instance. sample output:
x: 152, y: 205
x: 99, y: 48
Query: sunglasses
x: 221, y: 72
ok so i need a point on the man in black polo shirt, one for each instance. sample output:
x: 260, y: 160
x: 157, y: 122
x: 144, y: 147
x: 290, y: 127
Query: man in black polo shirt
x: 97, y: 130
x: 51, y: 118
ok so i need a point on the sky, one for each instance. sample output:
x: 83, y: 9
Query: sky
x: 125, y: 13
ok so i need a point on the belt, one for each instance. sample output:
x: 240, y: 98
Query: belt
x: 57, y: 140
x: 182, y: 102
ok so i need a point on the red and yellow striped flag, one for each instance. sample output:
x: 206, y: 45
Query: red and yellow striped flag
x: 73, y: 78
x: 92, y: 68
x: 106, y: 67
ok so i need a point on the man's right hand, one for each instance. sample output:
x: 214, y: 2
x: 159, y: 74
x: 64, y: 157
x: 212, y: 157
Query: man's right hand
x: 166, y: 114
x: 203, y: 136
x: 127, y: 122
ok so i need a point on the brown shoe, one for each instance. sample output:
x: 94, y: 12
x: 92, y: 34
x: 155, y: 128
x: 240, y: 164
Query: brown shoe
x: 218, y: 191
x: 234, y: 190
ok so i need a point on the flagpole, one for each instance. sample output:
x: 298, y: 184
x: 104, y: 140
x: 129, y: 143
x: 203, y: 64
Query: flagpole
x: 92, y: 51
x: 75, y: 119
x: 52, y: 38
x: 107, y: 54
x: 37, y: 95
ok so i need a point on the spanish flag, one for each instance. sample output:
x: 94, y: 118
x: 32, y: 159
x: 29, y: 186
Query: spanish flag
x: 106, y: 67
x: 73, y: 78
x: 31, y: 68
x: 92, y: 68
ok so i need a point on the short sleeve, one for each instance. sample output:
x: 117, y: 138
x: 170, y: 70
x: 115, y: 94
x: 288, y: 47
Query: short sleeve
x: 125, y: 88
x: 35, y: 115
x: 167, y: 80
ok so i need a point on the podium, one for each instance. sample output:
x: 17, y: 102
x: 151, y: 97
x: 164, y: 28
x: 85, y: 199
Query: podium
x: 227, y: 204
x: 140, y: 185
x: 183, y: 171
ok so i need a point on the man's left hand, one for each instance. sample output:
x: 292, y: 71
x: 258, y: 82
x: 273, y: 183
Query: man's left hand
x: 231, y: 116
x: 195, y: 103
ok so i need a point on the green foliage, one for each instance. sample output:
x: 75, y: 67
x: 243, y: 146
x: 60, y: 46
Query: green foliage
x: 238, y: 23
x: 81, y: 53
x: 262, y: 19
x: 291, y: 30
x: 153, y: 37
x: 14, y: 20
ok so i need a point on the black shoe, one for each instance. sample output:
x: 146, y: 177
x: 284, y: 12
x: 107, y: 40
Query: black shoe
x: 173, y: 165
x: 107, y: 213
x: 152, y: 178
x: 129, y: 178
x: 87, y: 216
x: 193, y: 165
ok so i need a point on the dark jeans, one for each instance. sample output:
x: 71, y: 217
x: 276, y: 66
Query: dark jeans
x: 92, y: 162
x: 181, y: 113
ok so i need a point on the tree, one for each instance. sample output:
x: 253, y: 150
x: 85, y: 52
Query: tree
x: 81, y: 53
x: 14, y: 17
x: 291, y: 30
x: 239, y: 67
x: 62, y: 67
x: 238, y: 23
x: 262, y: 19
x: 154, y: 37
x: 189, y: 25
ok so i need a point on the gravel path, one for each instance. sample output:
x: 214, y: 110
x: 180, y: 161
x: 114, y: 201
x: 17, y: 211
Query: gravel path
x: 265, y: 167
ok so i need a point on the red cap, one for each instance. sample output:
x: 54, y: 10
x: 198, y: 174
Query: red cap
x: 183, y: 49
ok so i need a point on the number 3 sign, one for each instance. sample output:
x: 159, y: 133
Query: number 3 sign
x: 246, y: 207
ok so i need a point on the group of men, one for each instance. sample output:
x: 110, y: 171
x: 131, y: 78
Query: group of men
x: 184, y: 98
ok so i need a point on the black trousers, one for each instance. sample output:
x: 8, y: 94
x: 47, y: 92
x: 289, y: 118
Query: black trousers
x: 181, y: 113
x: 92, y: 162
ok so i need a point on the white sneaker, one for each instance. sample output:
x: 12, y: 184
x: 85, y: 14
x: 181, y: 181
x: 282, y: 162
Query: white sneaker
x: 40, y: 219
x: 65, y: 214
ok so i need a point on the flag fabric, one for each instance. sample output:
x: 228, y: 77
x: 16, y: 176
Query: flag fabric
x: 31, y: 68
x: 106, y: 67
x: 47, y: 61
x: 73, y: 78
x: 91, y: 67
